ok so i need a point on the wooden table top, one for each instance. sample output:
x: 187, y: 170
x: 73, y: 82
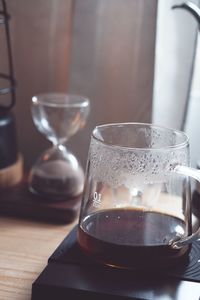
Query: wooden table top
x: 25, y: 247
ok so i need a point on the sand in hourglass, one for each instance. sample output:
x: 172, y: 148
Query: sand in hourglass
x: 56, y: 180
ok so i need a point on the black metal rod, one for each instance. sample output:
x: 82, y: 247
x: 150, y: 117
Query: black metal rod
x: 4, y: 19
x: 3, y: 16
x: 191, y: 7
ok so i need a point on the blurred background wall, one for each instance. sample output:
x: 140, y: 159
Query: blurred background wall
x: 98, y: 48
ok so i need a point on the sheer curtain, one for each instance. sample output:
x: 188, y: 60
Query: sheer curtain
x: 112, y: 62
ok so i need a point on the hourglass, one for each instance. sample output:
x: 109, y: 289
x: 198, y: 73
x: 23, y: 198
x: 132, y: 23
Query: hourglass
x: 57, y: 174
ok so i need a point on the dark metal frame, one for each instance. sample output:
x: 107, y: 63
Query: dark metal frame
x: 4, y: 20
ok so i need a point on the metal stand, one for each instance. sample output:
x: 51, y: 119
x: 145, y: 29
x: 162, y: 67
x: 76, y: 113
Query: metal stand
x: 4, y: 21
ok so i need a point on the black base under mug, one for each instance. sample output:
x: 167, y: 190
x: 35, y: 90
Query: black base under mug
x: 70, y: 274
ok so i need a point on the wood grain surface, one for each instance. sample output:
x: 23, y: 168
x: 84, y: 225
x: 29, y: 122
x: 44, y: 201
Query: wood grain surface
x: 24, y: 250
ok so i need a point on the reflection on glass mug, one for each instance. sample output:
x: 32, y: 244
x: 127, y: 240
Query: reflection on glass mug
x: 136, y: 207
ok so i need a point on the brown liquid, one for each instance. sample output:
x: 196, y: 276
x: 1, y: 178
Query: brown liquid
x: 130, y: 238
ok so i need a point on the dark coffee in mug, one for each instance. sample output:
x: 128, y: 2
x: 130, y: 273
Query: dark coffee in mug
x: 127, y: 237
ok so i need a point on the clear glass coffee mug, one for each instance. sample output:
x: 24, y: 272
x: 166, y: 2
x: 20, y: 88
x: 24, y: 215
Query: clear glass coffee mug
x: 136, y: 207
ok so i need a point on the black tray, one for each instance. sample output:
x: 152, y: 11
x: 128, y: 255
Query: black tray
x: 72, y: 275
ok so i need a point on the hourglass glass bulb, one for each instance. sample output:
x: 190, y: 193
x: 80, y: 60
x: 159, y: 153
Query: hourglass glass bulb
x: 57, y: 174
x: 59, y: 116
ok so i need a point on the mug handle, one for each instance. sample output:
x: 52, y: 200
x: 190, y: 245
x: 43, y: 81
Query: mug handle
x: 195, y: 174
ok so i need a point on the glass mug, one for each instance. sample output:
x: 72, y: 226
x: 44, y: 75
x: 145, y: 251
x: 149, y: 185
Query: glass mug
x: 136, y: 207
